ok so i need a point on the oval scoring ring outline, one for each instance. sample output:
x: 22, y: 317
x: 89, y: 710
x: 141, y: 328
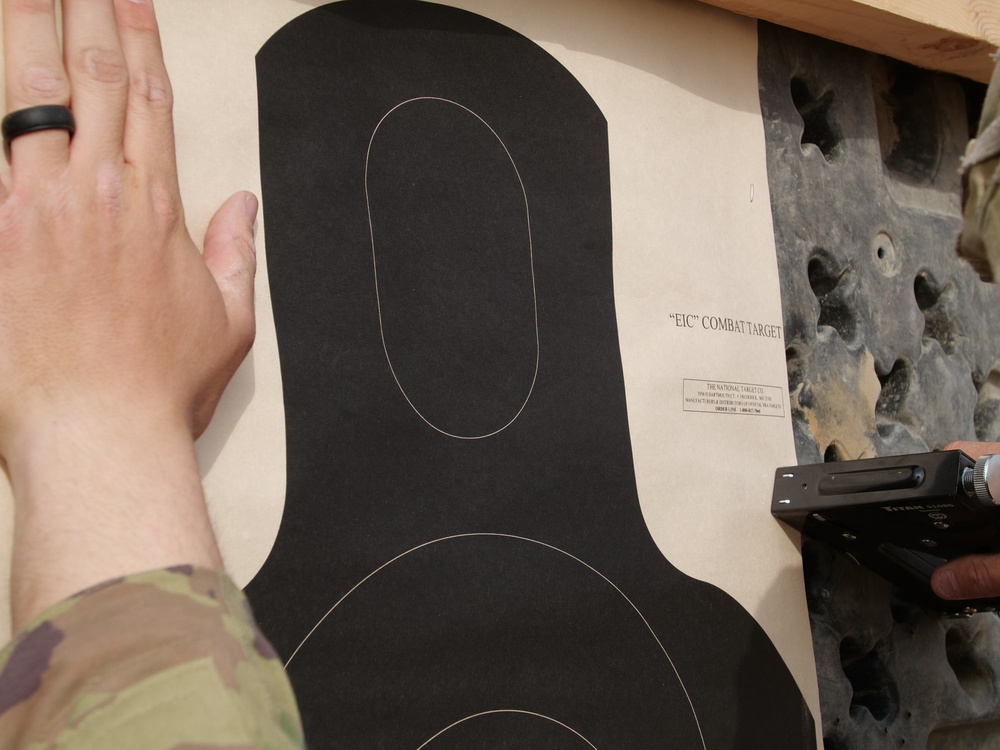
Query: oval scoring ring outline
x: 531, y: 257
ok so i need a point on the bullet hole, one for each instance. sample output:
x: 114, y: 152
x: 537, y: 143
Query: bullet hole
x: 884, y: 255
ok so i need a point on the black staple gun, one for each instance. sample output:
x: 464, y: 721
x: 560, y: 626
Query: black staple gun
x: 900, y: 516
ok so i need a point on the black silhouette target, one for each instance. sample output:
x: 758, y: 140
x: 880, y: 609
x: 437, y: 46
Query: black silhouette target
x: 462, y: 561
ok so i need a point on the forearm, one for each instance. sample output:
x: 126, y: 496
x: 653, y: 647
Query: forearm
x: 166, y: 658
x: 117, y: 338
x: 101, y: 493
x: 117, y: 335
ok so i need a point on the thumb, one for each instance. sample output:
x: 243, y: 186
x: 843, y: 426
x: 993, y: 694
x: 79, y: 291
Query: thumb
x: 969, y: 577
x: 231, y: 257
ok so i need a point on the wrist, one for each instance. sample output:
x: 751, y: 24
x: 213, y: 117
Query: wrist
x: 102, y: 491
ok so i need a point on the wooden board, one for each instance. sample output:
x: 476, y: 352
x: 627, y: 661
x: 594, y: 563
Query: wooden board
x: 954, y: 36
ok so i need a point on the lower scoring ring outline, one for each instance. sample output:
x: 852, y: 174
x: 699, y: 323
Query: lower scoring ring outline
x: 505, y: 711
x: 400, y: 556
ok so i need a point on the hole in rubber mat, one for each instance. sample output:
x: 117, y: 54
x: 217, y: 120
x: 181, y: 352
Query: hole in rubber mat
x: 910, y: 134
x: 817, y: 127
x: 981, y: 735
x: 987, y: 414
x: 896, y: 384
x: 833, y: 289
x: 873, y: 688
x: 903, y: 611
x: 835, y: 452
x: 965, y: 652
x: 940, y: 310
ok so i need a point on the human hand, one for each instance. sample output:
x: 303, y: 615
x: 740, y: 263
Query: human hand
x: 970, y: 576
x: 105, y: 298
x: 117, y: 337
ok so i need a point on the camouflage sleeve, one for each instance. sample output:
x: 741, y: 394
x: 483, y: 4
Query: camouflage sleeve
x: 979, y: 241
x: 165, y: 660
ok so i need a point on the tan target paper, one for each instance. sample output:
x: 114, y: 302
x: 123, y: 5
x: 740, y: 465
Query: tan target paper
x: 696, y: 280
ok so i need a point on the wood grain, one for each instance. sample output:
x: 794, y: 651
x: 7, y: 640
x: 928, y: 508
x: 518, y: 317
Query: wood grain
x: 955, y: 36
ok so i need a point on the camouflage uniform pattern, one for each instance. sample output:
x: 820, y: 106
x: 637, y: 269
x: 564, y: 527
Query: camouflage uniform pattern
x: 979, y: 242
x: 164, y: 660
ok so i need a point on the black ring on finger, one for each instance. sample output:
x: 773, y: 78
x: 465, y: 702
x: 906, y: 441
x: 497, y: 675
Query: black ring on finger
x: 33, y: 119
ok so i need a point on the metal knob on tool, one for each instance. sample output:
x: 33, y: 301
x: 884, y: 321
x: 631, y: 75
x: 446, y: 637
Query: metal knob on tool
x: 983, y: 480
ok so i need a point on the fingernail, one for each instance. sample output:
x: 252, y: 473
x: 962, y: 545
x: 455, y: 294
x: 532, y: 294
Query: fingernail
x: 946, y: 584
x: 250, y: 207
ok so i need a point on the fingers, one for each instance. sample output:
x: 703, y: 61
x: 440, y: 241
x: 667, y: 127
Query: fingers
x: 98, y: 77
x: 110, y: 70
x: 35, y: 75
x: 149, y: 135
x: 970, y: 577
x: 232, y: 261
x: 974, y: 450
